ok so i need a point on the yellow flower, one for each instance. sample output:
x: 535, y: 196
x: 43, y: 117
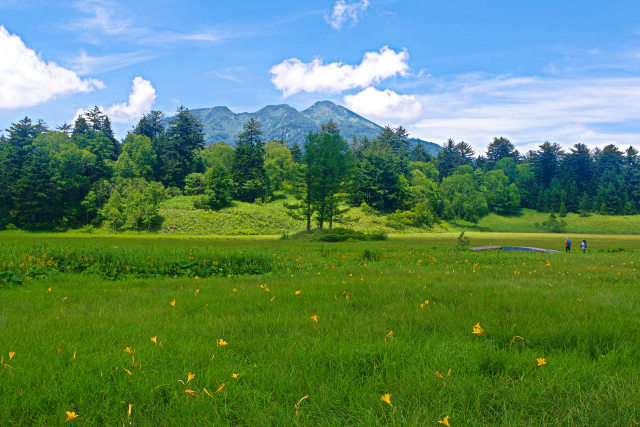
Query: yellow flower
x: 70, y: 415
x: 314, y: 318
x: 48, y: 289
x: 386, y: 398
x: 235, y: 376
x: 173, y: 303
x: 220, y: 388
x: 129, y: 411
x: 234, y: 290
x: 197, y: 290
x: 541, y: 361
x: 190, y: 376
x: 477, y: 329
x: 128, y: 350
x: 298, y: 292
x: 190, y: 392
x: 390, y: 334
x: 11, y: 354
x: 445, y: 421
x: 439, y: 375
x: 127, y: 371
x: 154, y: 340
x: 221, y: 342
x: 207, y: 392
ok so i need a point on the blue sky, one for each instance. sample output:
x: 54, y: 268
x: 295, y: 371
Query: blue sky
x: 532, y: 71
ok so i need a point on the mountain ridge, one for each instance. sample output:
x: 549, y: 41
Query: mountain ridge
x: 282, y: 121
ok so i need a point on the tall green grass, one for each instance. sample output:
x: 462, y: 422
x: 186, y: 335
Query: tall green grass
x: 578, y: 311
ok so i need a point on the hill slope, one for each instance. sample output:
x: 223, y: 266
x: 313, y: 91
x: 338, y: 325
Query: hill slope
x: 285, y: 122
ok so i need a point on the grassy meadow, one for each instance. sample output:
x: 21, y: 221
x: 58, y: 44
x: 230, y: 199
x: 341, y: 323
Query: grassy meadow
x: 113, y: 328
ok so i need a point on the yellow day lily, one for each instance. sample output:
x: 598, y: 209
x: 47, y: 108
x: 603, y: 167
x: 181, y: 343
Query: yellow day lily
x: 386, y: 398
x: 128, y: 350
x: 390, y: 334
x: 541, y: 361
x: 191, y: 392
x: 173, y: 303
x: 70, y: 415
x: 207, y: 392
x: 235, y: 376
x: 127, y: 371
x: 314, y: 317
x: 477, y: 329
x: 48, y: 289
x: 190, y: 376
x: 154, y: 340
x: 221, y: 342
x: 439, y: 375
x: 300, y: 401
x: 220, y: 388
x: 298, y: 292
x: 129, y: 411
x: 11, y: 354
x: 445, y: 421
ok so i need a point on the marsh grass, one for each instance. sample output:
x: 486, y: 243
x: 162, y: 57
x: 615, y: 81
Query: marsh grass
x: 579, y: 312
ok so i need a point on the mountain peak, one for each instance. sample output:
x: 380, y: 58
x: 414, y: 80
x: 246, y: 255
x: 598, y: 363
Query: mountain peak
x: 285, y: 122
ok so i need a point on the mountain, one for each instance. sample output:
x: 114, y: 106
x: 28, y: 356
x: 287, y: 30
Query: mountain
x: 285, y: 122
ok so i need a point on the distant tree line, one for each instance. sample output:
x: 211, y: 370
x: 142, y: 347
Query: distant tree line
x: 80, y: 174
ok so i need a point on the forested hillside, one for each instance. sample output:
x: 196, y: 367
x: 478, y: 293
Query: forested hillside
x: 80, y: 175
x: 283, y: 122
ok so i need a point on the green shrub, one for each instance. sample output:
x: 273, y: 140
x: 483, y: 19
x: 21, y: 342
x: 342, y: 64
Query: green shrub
x: 335, y: 235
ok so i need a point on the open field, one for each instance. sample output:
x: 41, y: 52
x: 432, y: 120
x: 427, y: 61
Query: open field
x: 68, y: 326
x: 272, y: 218
x: 594, y: 223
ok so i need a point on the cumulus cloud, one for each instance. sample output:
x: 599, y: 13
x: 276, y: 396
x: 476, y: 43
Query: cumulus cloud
x: 384, y: 105
x: 531, y: 110
x: 292, y: 75
x: 140, y: 102
x: 343, y: 11
x: 27, y: 80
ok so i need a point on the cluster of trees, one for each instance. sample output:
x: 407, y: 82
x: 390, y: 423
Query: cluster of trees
x: 78, y: 175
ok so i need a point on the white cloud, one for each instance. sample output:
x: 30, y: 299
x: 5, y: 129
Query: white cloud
x: 386, y: 105
x: 140, y: 102
x: 99, y: 20
x: 84, y: 64
x: 531, y: 110
x: 292, y: 75
x: 343, y: 11
x: 27, y: 80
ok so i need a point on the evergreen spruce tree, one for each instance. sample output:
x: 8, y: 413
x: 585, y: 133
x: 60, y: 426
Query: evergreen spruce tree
x: 247, y: 171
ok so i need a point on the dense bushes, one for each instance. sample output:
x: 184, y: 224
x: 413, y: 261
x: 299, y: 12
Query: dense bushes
x: 335, y: 235
x: 20, y: 264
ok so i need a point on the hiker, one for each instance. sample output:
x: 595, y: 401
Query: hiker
x: 567, y: 244
x: 583, y: 245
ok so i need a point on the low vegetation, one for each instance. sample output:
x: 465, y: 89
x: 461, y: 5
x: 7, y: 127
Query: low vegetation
x: 408, y: 331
